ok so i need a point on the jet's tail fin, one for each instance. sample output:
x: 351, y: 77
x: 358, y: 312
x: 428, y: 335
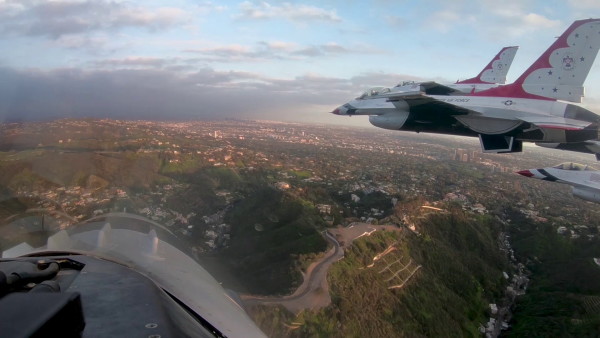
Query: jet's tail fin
x: 496, y: 70
x: 559, y: 73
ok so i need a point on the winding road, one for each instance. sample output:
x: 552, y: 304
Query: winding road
x: 314, y: 290
x: 313, y: 293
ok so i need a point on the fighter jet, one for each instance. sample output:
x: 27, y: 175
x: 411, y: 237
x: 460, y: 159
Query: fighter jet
x: 531, y: 109
x: 584, y: 180
x: 490, y: 76
x: 118, y: 275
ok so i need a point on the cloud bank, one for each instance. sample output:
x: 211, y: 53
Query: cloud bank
x: 55, y: 19
x: 166, y: 95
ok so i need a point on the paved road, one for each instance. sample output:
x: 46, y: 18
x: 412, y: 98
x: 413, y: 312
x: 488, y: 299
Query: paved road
x: 314, y: 291
x: 318, y: 276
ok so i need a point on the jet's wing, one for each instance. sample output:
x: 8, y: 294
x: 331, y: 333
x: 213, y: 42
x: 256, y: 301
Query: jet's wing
x: 445, y: 114
x: 593, y: 182
x: 561, y: 123
x: 421, y: 103
x: 434, y: 88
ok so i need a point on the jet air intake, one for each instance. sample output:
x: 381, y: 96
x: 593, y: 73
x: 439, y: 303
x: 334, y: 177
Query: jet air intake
x: 392, y: 121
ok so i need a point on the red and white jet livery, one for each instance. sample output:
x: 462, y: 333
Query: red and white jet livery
x: 531, y: 109
x: 492, y: 75
x: 584, y: 180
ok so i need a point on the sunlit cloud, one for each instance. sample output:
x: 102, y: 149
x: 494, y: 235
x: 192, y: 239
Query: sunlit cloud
x: 207, y: 7
x: 265, y: 50
x: 55, y: 19
x: 294, y: 12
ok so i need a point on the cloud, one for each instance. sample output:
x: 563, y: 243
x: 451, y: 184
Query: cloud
x: 276, y: 50
x: 154, y: 19
x: 324, y: 50
x: 511, y: 18
x: 508, y: 19
x: 163, y: 94
x: 56, y: 19
x: 584, y: 4
x: 130, y: 62
x: 207, y: 7
x: 293, y: 12
x: 539, y: 21
x: 519, y: 25
x: 372, y: 79
x: 444, y: 20
x: 92, y: 43
x: 279, y: 45
x: 229, y: 53
x: 262, y: 51
x: 396, y: 21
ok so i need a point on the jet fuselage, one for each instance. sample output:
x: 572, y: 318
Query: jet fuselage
x: 482, y: 115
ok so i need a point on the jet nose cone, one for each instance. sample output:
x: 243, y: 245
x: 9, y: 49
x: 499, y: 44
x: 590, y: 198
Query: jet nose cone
x: 341, y: 110
x: 525, y: 173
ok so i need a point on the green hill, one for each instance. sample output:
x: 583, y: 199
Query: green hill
x: 270, y: 230
x: 460, y: 274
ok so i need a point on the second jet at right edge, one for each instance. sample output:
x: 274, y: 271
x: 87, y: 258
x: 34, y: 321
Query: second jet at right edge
x: 584, y: 180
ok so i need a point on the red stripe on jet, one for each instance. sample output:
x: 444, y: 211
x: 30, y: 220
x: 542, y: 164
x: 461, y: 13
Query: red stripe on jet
x: 557, y: 127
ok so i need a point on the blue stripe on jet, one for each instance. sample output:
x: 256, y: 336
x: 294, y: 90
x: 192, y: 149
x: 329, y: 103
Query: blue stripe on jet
x: 548, y: 176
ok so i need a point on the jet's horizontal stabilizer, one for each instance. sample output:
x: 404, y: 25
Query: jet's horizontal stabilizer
x: 588, y: 147
x: 500, y: 144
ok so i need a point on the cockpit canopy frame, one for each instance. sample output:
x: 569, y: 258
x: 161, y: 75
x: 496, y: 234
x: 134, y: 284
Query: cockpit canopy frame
x: 574, y: 166
x: 374, y: 91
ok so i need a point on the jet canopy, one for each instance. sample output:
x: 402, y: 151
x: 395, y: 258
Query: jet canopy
x: 375, y: 91
x: 574, y: 166
x: 405, y: 83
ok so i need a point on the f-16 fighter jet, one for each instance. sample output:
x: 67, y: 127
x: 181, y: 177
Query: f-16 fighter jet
x: 532, y: 109
x: 584, y: 180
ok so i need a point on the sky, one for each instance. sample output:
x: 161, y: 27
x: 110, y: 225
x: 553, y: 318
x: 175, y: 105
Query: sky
x: 273, y: 60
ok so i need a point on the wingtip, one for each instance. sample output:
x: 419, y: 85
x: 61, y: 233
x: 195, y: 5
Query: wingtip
x: 525, y: 173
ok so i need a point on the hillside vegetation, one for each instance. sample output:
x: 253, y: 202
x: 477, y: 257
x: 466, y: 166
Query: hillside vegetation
x: 562, y: 297
x: 270, y: 230
x: 460, y: 274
